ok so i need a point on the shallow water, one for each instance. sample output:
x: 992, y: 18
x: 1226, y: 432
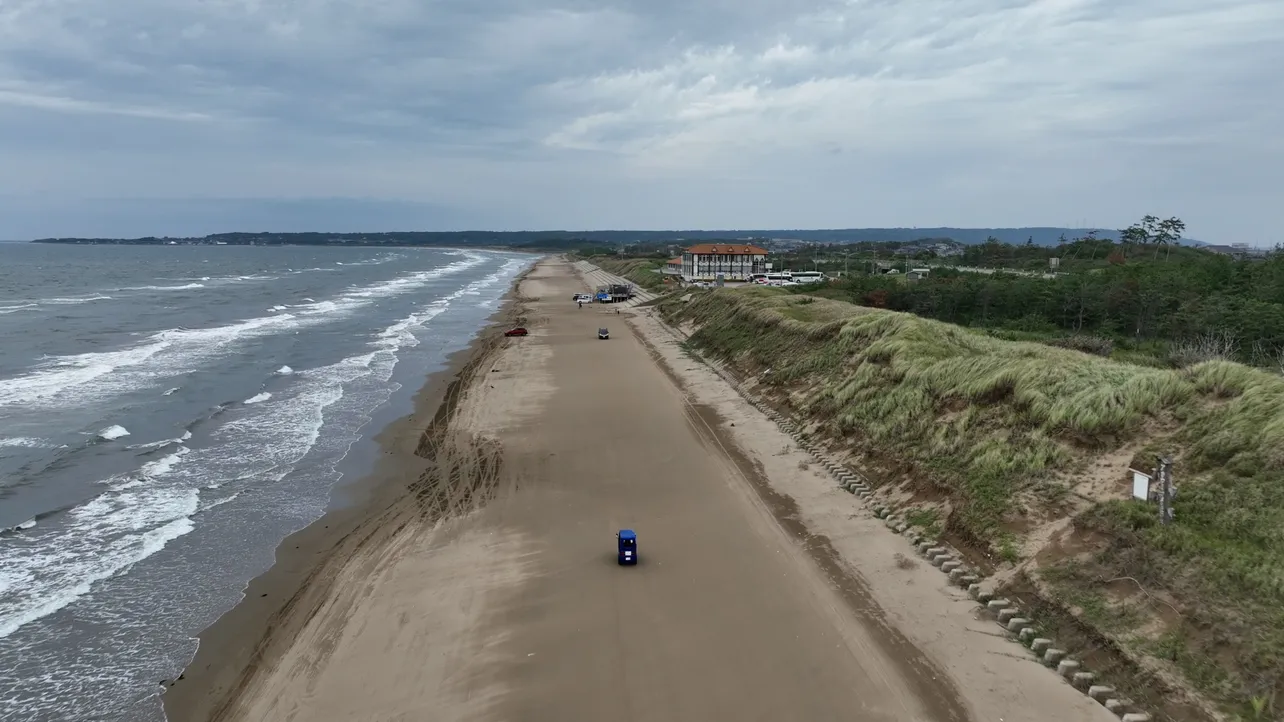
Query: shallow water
x: 168, y: 415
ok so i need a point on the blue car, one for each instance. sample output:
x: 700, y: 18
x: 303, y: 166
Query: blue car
x: 628, y: 546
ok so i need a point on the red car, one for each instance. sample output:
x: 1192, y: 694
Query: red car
x: 519, y: 331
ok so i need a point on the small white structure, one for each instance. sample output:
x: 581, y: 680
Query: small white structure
x: 1140, y: 485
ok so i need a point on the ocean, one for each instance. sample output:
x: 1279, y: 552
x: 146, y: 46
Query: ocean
x: 168, y: 415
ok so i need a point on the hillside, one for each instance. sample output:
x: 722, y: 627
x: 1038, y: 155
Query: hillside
x: 1019, y: 453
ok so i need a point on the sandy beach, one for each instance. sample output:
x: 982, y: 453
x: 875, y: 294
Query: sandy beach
x: 477, y: 579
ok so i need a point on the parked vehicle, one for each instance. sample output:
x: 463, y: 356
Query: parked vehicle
x: 518, y: 331
x: 627, y: 546
x: 603, y: 334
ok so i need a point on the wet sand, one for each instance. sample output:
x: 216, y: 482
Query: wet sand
x: 488, y: 589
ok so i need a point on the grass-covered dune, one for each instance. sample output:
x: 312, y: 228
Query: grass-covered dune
x: 997, y: 443
x: 642, y: 271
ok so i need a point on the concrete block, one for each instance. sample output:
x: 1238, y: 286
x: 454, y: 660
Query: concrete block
x: 994, y: 605
x: 985, y: 597
x: 1117, y: 706
x: 1136, y: 717
x: 1052, y: 657
x: 970, y: 579
x: 1040, y: 645
x: 1101, y: 692
x: 1067, y: 668
x: 1016, y: 625
x: 1027, y: 635
x: 939, y: 559
x: 1007, y: 614
x: 1083, y: 680
x: 956, y: 574
x: 950, y: 566
x: 924, y: 547
x: 974, y: 591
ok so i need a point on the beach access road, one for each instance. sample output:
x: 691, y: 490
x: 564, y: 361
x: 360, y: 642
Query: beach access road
x: 518, y: 612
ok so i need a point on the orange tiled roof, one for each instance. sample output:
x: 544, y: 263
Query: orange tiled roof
x: 727, y: 249
x: 677, y: 261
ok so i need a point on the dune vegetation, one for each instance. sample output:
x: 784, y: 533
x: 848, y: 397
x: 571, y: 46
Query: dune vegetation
x: 642, y: 271
x: 1021, y: 450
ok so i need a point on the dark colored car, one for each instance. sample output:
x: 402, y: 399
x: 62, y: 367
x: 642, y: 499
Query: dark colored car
x: 519, y: 331
x: 603, y: 333
x: 627, y: 543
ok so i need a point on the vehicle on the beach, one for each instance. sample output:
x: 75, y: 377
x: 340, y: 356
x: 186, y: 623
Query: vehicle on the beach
x: 583, y: 298
x: 603, y: 334
x: 518, y: 331
x: 627, y: 543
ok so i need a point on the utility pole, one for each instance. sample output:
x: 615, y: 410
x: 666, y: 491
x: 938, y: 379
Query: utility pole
x: 1167, y: 492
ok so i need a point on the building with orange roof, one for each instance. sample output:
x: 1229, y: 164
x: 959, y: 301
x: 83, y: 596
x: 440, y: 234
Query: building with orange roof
x: 731, y: 261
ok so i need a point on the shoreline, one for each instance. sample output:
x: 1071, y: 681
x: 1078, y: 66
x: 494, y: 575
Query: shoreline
x: 258, y: 627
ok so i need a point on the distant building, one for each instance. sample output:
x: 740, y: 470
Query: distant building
x: 917, y: 273
x: 731, y: 261
x: 674, y: 266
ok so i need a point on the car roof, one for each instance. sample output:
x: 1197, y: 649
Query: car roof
x: 627, y: 534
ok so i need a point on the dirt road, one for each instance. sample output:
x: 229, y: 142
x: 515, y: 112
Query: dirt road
x: 519, y: 612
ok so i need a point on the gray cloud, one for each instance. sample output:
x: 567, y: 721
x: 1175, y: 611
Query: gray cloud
x: 717, y: 113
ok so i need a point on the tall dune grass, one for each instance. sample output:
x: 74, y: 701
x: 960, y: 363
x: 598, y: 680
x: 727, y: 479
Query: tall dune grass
x: 991, y: 418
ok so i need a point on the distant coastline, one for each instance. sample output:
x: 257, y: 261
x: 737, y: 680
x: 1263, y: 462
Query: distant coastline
x: 556, y: 240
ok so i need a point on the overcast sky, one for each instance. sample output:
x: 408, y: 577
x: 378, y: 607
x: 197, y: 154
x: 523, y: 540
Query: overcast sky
x: 141, y: 117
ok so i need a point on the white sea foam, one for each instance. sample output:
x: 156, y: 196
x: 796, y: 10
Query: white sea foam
x: 183, y: 287
x: 106, y: 374
x: 24, y: 441
x: 258, y: 398
x: 72, y: 300
x: 159, y: 444
x: 162, y: 466
x: 111, y: 433
x: 284, y: 371
x: 43, y: 570
x: 167, y: 392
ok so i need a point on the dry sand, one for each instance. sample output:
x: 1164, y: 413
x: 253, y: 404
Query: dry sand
x: 492, y: 593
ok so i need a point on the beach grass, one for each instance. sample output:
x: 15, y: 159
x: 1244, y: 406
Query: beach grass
x: 645, y: 272
x: 991, y: 421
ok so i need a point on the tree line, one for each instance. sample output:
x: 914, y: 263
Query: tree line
x: 1141, y: 288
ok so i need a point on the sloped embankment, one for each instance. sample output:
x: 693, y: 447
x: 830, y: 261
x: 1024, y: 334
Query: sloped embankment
x: 642, y: 271
x: 1021, y: 452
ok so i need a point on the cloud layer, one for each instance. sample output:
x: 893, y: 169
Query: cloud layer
x: 625, y: 113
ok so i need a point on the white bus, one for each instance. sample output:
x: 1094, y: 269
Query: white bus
x: 803, y: 277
